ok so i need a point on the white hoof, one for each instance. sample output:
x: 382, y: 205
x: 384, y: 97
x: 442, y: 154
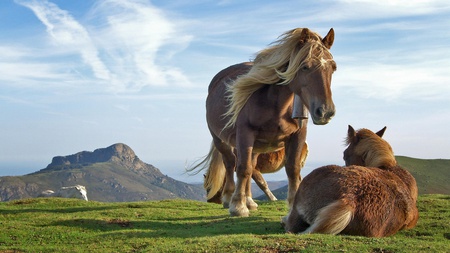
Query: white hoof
x: 251, y: 205
x: 239, y: 211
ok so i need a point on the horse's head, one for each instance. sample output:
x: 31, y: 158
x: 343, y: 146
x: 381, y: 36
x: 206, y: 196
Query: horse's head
x: 366, y: 148
x: 314, y: 66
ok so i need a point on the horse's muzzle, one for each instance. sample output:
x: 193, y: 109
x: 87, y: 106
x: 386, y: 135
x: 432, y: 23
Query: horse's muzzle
x: 322, y: 115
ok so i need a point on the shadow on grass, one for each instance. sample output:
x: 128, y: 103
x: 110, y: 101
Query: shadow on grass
x: 53, y: 205
x: 164, y: 219
x: 180, y: 228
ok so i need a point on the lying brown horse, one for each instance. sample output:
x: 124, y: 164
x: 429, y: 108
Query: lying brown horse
x: 267, y: 163
x: 372, y: 196
x: 249, y: 111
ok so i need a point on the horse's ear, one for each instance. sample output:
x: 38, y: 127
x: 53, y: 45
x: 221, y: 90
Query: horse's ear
x: 305, y: 35
x: 381, y: 132
x: 329, y: 39
x: 351, y: 134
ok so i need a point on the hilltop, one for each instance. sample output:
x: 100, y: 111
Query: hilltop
x: 432, y: 175
x: 112, y: 174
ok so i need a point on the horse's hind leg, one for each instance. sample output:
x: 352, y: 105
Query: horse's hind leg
x: 261, y: 182
x: 251, y: 204
x: 229, y: 161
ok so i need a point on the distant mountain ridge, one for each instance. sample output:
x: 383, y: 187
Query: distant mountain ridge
x: 116, y: 174
x: 111, y: 174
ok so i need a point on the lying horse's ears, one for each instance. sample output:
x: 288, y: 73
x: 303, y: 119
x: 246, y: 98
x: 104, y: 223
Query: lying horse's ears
x: 329, y: 39
x: 381, y: 132
x: 351, y: 134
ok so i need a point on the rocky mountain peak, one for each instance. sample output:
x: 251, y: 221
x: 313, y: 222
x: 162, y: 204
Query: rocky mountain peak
x: 118, y: 152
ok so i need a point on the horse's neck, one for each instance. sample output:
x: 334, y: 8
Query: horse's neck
x: 281, y: 96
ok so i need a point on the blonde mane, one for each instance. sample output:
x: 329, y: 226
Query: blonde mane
x: 376, y: 151
x: 277, y: 64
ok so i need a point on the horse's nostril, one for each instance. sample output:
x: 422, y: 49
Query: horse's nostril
x: 322, y: 113
x: 319, y: 112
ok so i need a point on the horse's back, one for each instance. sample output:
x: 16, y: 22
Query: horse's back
x: 217, y: 101
x: 356, y: 177
x: 324, y: 184
x: 228, y: 75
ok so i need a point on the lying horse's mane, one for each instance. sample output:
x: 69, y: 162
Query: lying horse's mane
x: 376, y: 151
x: 277, y: 64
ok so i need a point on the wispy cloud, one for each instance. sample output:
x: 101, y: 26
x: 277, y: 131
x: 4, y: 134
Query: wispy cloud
x: 68, y: 33
x: 127, y: 46
x: 391, y: 82
x: 363, y: 10
x: 138, y: 40
x: 22, y: 67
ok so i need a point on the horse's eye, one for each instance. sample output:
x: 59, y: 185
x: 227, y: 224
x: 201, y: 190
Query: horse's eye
x: 305, y: 68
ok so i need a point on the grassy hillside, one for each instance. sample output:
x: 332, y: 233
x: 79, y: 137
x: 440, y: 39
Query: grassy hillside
x: 68, y: 225
x: 432, y: 175
x: 105, y: 181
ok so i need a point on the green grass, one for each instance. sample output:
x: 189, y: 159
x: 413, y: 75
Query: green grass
x: 68, y: 225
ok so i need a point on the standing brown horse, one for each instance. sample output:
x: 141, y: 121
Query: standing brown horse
x: 372, y: 196
x: 249, y: 111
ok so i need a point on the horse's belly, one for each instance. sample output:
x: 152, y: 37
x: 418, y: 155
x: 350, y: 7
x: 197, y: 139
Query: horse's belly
x: 266, y: 146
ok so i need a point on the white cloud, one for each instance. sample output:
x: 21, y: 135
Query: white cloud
x: 127, y: 45
x: 389, y: 82
x: 138, y: 41
x: 67, y: 32
x: 346, y: 10
x: 21, y: 67
x: 28, y: 70
x: 405, y: 6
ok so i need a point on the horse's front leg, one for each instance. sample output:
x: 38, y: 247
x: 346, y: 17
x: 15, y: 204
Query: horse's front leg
x: 229, y: 185
x: 296, y: 154
x: 238, y: 204
x: 251, y: 204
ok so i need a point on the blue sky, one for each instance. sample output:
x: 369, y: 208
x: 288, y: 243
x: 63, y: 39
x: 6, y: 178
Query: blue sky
x: 82, y: 75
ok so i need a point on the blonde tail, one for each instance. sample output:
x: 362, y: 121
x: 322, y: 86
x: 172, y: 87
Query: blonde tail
x: 332, y: 219
x: 215, y: 175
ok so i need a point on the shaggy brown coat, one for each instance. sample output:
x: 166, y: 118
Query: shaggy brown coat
x: 374, y: 197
